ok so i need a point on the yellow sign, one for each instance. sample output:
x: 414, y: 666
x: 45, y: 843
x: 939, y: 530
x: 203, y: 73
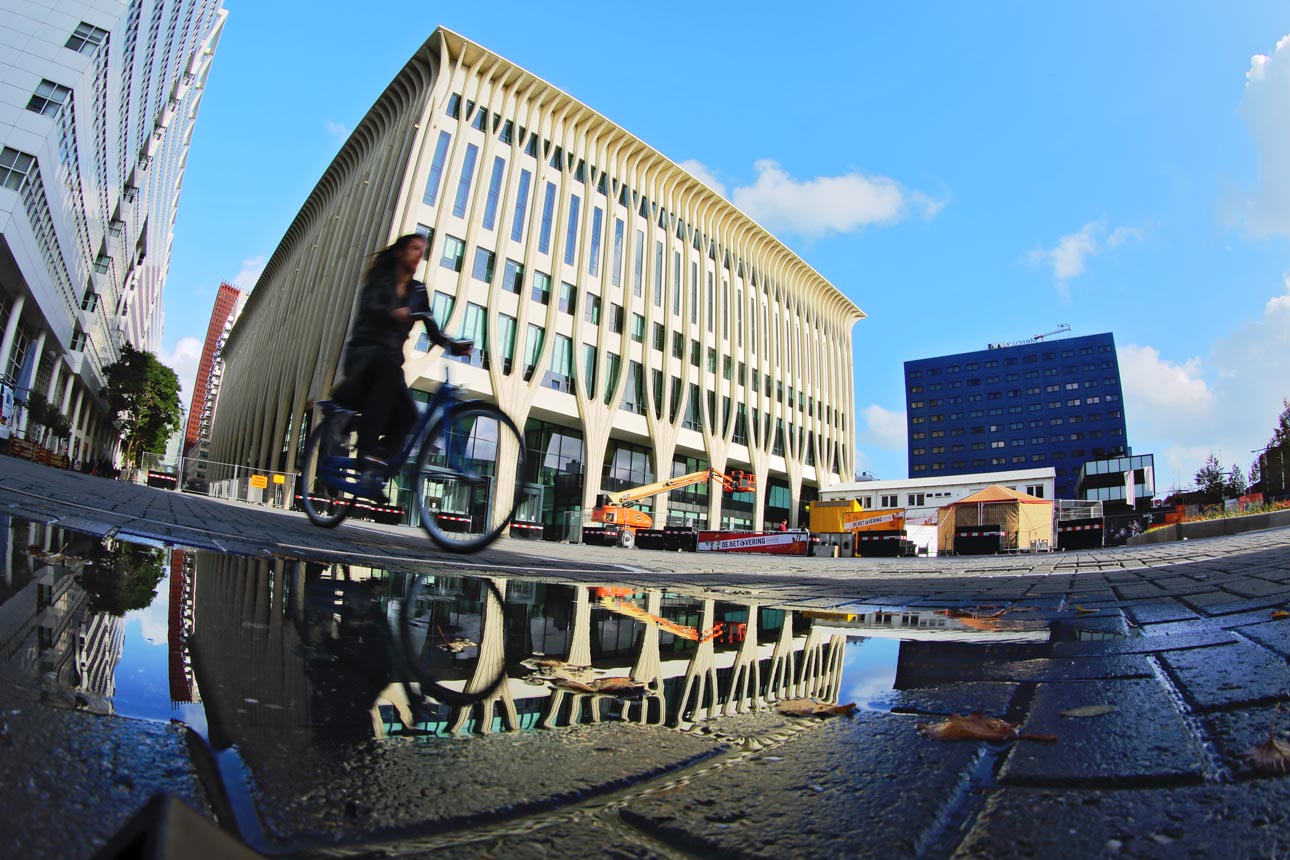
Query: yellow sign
x: 279, y: 479
x: 260, y: 481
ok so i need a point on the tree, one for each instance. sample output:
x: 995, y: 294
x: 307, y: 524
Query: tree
x: 1235, y: 486
x: 1281, y: 433
x: 1255, y: 474
x: 1210, y: 479
x: 144, y: 395
x: 124, y: 577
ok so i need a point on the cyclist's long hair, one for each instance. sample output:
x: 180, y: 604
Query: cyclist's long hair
x: 386, y: 259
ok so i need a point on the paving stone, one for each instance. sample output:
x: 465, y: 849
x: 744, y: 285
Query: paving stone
x: 1154, y: 613
x: 1231, y: 607
x: 1255, y: 587
x: 1143, y: 741
x: 1180, y: 637
x: 991, y: 698
x: 1204, y: 822
x: 1271, y: 634
x: 1073, y: 669
x: 1228, y: 676
x: 588, y: 836
x: 1235, y: 732
x: 863, y: 786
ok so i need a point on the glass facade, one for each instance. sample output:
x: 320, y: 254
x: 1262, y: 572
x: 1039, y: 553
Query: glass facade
x: 1034, y: 405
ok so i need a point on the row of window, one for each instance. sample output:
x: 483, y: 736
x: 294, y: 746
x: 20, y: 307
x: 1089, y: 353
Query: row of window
x: 1012, y: 361
x: 1034, y: 389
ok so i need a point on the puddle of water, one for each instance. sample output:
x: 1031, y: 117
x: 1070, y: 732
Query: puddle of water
x: 261, y: 656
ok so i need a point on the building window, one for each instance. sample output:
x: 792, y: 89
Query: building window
x: 892, y: 501
x: 512, y: 274
x: 521, y: 204
x: 436, y: 169
x: 615, y: 317
x: 593, y: 259
x: 14, y: 167
x: 548, y: 207
x: 571, y: 234
x: 541, y: 286
x: 638, y: 328
x: 485, y: 260
x: 592, y: 313
x: 494, y: 189
x: 568, y: 298
x: 78, y: 340
x: 86, y: 38
x: 48, y: 98
x: 463, y: 184
x: 454, y: 250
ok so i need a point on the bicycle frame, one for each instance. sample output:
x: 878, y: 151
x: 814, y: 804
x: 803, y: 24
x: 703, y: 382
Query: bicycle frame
x: 443, y: 400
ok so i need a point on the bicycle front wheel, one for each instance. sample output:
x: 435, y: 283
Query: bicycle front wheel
x: 465, y: 487
x: 330, y: 469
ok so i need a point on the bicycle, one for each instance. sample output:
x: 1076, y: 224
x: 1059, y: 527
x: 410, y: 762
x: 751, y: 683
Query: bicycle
x: 456, y: 444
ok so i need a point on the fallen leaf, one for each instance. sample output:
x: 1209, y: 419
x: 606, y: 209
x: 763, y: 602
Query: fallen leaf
x: 1084, y: 609
x: 969, y: 727
x: 1278, y: 614
x: 1271, y: 756
x: 628, y: 688
x: 571, y: 685
x: 978, y: 727
x: 1090, y: 711
x: 811, y: 708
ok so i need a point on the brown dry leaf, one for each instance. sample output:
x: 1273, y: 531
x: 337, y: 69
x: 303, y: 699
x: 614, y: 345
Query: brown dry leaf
x: 571, y: 685
x: 625, y: 687
x: 811, y: 708
x: 1278, y: 614
x: 1090, y: 711
x: 970, y: 727
x: 1271, y: 756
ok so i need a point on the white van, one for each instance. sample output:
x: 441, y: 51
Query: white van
x: 8, y: 414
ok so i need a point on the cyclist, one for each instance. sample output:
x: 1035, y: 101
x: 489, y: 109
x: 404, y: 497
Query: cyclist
x: 373, y: 382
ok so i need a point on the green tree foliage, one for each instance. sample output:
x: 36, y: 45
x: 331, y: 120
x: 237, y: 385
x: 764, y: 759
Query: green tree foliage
x: 1235, y: 485
x: 123, y: 577
x: 144, y: 395
x: 1211, y: 479
x: 1281, y: 433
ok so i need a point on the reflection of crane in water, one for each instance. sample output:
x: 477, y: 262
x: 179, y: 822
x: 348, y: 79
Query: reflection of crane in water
x: 636, y: 613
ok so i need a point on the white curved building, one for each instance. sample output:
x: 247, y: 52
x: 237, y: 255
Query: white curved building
x: 629, y: 317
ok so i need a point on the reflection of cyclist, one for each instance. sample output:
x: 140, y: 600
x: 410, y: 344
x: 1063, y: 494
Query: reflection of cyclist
x: 373, y: 371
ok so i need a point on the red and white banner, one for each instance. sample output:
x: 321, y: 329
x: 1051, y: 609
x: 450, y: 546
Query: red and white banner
x: 775, y: 543
x: 859, y: 520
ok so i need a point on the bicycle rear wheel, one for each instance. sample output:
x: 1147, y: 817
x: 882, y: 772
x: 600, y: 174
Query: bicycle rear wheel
x: 331, y: 459
x: 451, y: 629
x: 462, y: 503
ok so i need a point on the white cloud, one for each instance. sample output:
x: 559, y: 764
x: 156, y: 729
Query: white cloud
x: 183, y: 360
x: 827, y: 204
x: 1267, y: 92
x: 250, y: 273
x: 1226, y: 404
x: 154, y: 619
x: 337, y: 130
x: 883, y: 429
x: 1068, y: 256
x: 701, y: 172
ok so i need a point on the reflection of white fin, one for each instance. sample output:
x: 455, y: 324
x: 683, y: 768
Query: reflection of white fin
x: 539, y: 653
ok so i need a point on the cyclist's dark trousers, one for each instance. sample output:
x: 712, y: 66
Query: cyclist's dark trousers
x: 386, y: 406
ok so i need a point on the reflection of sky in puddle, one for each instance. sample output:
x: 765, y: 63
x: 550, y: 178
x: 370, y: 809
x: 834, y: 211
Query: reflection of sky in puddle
x: 142, y: 680
x: 869, y: 673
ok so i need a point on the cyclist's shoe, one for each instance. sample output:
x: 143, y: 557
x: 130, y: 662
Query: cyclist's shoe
x: 371, y: 484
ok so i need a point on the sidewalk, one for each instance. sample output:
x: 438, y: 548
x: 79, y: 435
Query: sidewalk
x: 1179, y: 638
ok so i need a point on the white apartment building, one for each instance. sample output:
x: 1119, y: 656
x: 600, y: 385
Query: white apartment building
x: 97, y: 104
x: 633, y: 322
x: 923, y: 497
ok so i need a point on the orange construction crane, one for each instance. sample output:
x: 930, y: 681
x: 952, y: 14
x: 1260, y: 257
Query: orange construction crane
x: 617, y: 509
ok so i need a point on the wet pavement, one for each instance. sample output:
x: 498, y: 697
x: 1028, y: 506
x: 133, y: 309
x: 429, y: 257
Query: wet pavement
x: 355, y: 693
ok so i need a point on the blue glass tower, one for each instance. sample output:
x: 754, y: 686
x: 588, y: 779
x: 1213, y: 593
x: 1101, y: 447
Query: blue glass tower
x: 1020, y: 406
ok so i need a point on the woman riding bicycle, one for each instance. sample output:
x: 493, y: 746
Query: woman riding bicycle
x: 373, y: 381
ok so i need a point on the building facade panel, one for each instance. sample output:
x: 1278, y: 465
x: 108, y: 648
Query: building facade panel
x: 609, y: 293
x: 1054, y: 403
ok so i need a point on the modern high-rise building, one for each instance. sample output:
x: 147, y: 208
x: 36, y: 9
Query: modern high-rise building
x: 97, y: 106
x: 210, y: 371
x: 1031, y: 404
x: 631, y: 320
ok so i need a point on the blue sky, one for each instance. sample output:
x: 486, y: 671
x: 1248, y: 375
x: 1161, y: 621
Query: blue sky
x: 965, y: 173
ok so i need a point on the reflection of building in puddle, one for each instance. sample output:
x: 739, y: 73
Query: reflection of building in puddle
x: 282, y: 645
x: 47, y: 626
x: 179, y: 628
x: 934, y: 625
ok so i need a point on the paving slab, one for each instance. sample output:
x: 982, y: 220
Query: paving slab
x: 1204, y: 822
x: 863, y: 786
x: 1234, y: 733
x: 990, y: 698
x: 1274, y: 635
x: 1143, y: 741
x: 1156, y: 612
x: 1179, y: 638
x: 1229, y: 676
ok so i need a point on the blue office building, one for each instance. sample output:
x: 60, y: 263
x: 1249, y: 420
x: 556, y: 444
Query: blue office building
x: 1020, y: 405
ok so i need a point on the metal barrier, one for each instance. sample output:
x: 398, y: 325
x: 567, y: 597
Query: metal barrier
x: 239, y: 483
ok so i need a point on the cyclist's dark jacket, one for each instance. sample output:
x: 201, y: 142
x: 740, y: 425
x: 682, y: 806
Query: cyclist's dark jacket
x: 376, y: 331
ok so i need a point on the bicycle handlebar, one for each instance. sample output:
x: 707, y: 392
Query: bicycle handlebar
x: 453, y: 346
